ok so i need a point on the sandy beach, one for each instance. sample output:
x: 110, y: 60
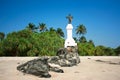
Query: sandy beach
x: 105, y: 68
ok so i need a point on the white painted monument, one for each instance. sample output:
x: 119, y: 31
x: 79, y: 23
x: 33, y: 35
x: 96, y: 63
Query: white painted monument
x: 69, y: 41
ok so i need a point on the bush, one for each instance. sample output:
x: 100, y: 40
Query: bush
x: 27, y: 43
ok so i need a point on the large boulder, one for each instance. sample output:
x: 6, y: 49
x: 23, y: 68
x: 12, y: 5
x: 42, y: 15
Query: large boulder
x: 38, y: 67
x: 66, y: 57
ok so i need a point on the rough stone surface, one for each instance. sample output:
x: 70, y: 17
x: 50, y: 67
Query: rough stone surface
x: 38, y: 67
x: 65, y: 57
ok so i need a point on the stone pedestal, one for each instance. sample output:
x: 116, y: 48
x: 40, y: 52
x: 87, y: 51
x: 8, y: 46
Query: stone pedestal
x: 67, y: 57
x: 69, y: 41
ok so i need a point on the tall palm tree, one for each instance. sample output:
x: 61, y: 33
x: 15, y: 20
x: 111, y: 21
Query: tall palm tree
x: 117, y: 51
x: 91, y: 42
x: 42, y: 27
x: 83, y: 39
x: 80, y: 30
x: 51, y: 29
x: 60, y: 32
x: 31, y: 27
x: 2, y: 35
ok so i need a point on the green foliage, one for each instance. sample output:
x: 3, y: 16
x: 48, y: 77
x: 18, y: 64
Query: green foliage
x: 82, y: 39
x: 81, y: 29
x: 52, y: 29
x: 104, y: 51
x: 2, y: 35
x: 117, y: 51
x: 99, y: 50
x: 48, y: 42
x: 42, y: 27
x: 60, y: 32
x: 31, y: 27
x: 86, y: 49
x: 27, y: 43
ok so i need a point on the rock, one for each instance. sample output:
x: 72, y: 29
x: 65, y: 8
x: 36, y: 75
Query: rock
x: 69, y: 49
x: 54, y: 60
x: 66, y: 57
x: 61, y: 53
x: 38, y: 67
x: 64, y: 63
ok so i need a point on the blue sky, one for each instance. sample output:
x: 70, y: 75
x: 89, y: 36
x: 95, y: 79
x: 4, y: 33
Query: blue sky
x: 101, y: 17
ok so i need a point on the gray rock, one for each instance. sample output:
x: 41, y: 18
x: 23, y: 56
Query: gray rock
x: 65, y: 57
x: 38, y: 67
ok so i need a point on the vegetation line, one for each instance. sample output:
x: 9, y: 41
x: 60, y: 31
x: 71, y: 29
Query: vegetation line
x: 40, y: 41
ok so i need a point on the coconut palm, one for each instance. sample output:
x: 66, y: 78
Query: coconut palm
x: 81, y: 30
x: 2, y: 35
x: 60, y: 32
x: 91, y: 42
x: 51, y: 29
x: 42, y: 27
x: 83, y: 39
x: 117, y: 51
x: 31, y: 27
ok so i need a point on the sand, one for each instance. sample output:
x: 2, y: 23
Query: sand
x: 88, y: 69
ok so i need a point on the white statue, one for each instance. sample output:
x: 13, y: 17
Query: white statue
x: 69, y: 41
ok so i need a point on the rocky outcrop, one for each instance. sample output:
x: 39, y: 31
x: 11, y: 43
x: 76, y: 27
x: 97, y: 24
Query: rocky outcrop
x: 38, y: 67
x: 65, y: 57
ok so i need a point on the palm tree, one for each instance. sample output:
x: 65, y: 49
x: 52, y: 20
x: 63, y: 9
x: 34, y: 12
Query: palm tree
x: 91, y: 42
x: 117, y: 51
x: 75, y: 39
x: 2, y: 35
x: 31, y: 27
x: 42, y: 27
x: 60, y: 32
x: 83, y: 39
x: 51, y: 29
x: 81, y: 30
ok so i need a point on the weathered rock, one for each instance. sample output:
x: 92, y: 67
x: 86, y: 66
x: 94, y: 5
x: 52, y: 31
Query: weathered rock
x: 66, y: 57
x: 38, y: 67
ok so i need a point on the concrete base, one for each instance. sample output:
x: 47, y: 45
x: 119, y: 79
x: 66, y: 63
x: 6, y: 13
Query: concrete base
x: 70, y: 42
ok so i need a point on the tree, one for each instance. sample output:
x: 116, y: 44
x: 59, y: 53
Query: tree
x: 31, y: 27
x: 17, y: 43
x: 81, y: 29
x: 2, y: 35
x: 91, y: 42
x: 52, y: 29
x: 27, y: 43
x: 109, y: 51
x: 42, y: 27
x: 83, y: 39
x: 86, y: 49
x: 117, y: 51
x: 99, y: 50
x: 60, y: 32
